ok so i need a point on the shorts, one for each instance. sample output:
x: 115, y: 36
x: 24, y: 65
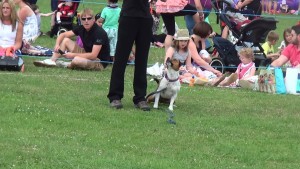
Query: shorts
x: 86, y: 64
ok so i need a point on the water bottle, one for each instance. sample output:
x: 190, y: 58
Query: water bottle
x: 298, y: 84
x: 192, y: 81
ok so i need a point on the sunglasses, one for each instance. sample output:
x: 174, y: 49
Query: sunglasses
x: 87, y: 19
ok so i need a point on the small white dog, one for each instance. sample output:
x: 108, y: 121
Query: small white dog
x: 169, y: 85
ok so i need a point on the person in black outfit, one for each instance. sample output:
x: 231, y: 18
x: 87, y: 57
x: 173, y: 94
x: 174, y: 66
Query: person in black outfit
x: 95, y: 52
x: 31, y: 1
x: 250, y: 8
x: 135, y: 26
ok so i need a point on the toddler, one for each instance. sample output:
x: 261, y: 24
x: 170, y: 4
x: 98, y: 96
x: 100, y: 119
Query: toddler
x: 244, y: 72
x: 64, y: 9
x: 110, y: 20
x: 38, y: 15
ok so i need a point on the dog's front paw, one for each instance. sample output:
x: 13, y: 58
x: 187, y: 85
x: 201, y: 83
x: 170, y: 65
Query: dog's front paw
x: 155, y: 106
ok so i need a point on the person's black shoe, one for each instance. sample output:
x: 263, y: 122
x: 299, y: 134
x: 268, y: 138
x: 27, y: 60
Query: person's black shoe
x: 116, y: 104
x: 143, y: 105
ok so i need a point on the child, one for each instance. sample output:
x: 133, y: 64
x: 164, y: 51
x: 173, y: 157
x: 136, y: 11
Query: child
x: 268, y: 46
x: 36, y: 10
x: 110, y: 17
x: 64, y: 9
x: 245, y: 70
x: 287, y: 38
x: 179, y: 50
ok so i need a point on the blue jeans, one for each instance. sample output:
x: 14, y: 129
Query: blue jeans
x: 190, y: 23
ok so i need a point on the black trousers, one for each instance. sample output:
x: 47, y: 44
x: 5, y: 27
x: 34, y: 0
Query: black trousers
x: 131, y: 30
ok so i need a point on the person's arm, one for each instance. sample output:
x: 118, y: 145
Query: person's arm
x: 169, y: 54
x: 19, y: 37
x: 61, y: 37
x: 199, y: 8
x: 60, y: 5
x: 280, y: 61
x: 196, y: 58
x: 47, y: 14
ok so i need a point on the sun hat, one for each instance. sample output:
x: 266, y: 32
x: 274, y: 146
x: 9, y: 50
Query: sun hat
x: 182, y: 34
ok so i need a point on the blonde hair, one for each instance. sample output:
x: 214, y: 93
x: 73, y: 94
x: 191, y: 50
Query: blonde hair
x: 13, y: 16
x: 87, y: 11
x: 247, y: 52
x: 272, y: 35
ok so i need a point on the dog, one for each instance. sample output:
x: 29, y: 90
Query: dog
x: 168, y: 86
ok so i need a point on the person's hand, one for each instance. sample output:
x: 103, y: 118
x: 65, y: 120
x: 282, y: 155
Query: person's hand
x: 56, y: 47
x: 297, y: 66
x: 218, y: 73
x: 238, y: 5
x: 201, y: 16
x: 69, y: 55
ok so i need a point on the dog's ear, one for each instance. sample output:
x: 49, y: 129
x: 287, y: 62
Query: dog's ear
x: 175, y: 64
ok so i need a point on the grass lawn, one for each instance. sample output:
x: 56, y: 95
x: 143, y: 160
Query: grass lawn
x: 59, y: 118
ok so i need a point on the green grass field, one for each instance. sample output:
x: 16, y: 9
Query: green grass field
x: 59, y: 118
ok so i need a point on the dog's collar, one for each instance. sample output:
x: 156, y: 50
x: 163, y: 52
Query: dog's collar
x: 170, y: 80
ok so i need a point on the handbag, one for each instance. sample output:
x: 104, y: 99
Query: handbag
x: 271, y: 80
x: 170, y: 6
x: 292, y: 81
x: 11, y: 63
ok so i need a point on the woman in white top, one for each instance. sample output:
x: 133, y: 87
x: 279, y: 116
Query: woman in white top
x: 28, y: 18
x: 10, y: 31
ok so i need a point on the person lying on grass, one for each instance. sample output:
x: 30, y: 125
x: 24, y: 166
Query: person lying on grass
x: 95, y: 52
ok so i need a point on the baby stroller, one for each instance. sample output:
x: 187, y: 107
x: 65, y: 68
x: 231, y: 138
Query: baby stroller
x: 247, y: 34
x: 66, y: 20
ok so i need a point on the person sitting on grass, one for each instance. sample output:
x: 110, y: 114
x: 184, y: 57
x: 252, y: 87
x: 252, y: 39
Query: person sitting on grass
x: 268, y: 46
x: 92, y: 56
x: 245, y: 72
x: 291, y: 52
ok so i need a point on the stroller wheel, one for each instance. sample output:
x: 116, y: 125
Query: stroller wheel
x: 217, y: 64
x: 61, y: 31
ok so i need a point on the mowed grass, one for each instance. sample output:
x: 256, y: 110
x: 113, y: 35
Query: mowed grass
x: 59, y: 118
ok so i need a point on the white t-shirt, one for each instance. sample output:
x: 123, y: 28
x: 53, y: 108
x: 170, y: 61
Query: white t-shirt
x: 7, y: 36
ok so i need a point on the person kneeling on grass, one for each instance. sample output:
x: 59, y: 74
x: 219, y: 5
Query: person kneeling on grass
x: 95, y: 46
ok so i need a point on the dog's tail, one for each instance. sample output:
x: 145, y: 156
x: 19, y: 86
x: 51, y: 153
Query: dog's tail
x: 155, y: 92
x: 157, y: 80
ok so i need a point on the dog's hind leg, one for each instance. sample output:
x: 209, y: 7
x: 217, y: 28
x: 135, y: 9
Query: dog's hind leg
x: 172, y: 102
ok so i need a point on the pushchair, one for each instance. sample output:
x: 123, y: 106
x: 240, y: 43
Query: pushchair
x: 66, y: 20
x: 247, y: 34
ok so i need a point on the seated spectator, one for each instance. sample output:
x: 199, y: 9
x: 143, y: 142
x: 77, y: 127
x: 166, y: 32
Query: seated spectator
x: 291, y: 52
x: 179, y: 50
x: 287, y: 39
x: 28, y: 18
x: 201, y: 32
x: 244, y: 72
x: 64, y: 9
x: 191, y: 55
x: 10, y: 29
x: 268, y: 46
x: 95, y: 46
